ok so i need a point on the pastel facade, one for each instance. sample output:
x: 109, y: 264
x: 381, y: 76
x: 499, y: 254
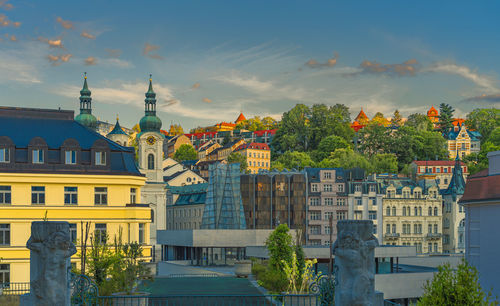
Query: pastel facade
x: 258, y: 156
x: 441, y: 171
x: 463, y: 142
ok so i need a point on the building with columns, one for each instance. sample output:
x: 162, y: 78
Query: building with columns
x: 150, y: 160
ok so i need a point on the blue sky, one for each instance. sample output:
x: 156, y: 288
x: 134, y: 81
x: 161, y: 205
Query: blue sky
x: 211, y: 59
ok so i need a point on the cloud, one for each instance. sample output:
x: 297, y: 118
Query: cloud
x: 13, y: 37
x: 488, y: 99
x: 5, y: 5
x: 53, y: 43
x: 116, y: 62
x: 206, y: 100
x: 480, y: 80
x: 196, y: 85
x: 65, y: 23
x: 90, y: 61
x: 170, y: 102
x: 57, y: 60
x: 87, y: 35
x: 5, y: 22
x: 148, y: 48
x: 19, y: 65
x: 312, y: 63
x: 408, y: 68
x: 114, y: 52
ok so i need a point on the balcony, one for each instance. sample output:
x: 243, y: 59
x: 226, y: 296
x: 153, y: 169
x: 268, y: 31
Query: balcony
x: 432, y: 236
x: 391, y: 236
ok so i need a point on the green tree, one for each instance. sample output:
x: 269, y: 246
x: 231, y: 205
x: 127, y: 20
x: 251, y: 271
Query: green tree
x: 185, y: 152
x: 380, y: 119
x: 276, y: 165
x: 327, y: 145
x: 251, y: 124
x: 375, y: 138
x: 325, y: 121
x: 396, y: 120
x: 236, y: 157
x: 455, y: 287
x: 347, y: 159
x: 445, y: 117
x: 295, y: 160
x: 494, y: 137
x: 293, y: 132
x: 483, y: 120
x: 384, y: 163
x: 175, y: 129
x: 269, y: 123
x: 419, y: 122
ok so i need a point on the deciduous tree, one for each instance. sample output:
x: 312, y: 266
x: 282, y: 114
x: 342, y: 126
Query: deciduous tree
x: 185, y: 152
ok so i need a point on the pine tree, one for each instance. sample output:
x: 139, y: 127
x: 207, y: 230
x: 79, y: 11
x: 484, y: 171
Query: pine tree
x: 445, y: 117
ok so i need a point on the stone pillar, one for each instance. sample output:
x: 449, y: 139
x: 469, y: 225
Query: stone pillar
x: 355, y: 263
x: 50, y: 252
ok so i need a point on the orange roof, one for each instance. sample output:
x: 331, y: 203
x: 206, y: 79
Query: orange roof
x: 240, y: 118
x: 226, y: 124
x: 432, y: 111
x: 458, y: 121
x: 361, y: 116
x: 356, y: 126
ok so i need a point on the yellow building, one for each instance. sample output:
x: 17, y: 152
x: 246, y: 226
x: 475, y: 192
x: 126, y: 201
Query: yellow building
x: 463, y: 142
x: 54, y: 167
x: 258, y: 156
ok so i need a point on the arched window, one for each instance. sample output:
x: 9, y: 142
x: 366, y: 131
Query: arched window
x: 435, y: 211
x: 404, y: 210
x: 151, y: 161
x: 388, y: 211
x: 419, y: 211
x: 430, y: 211
x: 416, y: 211
x: 394, y: 210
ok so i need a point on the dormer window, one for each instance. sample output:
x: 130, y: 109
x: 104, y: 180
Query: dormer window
x: 37, y: 156
x: 100, y: 158
x: 70, y: 157
x: 4, y: 155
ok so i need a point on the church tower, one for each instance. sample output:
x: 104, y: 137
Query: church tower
x: 150, y: 147
x: 85, y: 117
x: 118, y: 135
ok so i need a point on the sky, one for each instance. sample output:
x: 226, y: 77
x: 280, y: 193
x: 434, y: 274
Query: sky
x: 210, y: 60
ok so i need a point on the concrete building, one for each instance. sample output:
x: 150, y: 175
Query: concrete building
x: 439, y: 170
x: 258, y: 156
x: 55, y: 167
x: 412, y: 215
x: 365, y: 200
x: 453, y: 213
x: 481, y: 200
x: 185, y: 206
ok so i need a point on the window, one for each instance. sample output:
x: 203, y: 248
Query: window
x: 357, y: 188
x: 100, y: 195
x: 329, y: 201
x: 445, y: 181
x: 4, y: 155
x: 4, y: 273
x: 358, y: 201
x: 327, y: 175
x: 372, y: 215
x: 133, y: 195
x: 327, y: 187
x: 388, y: 211
x: 435, y: 228
x: 37, y: 195
x: 71, y: 195
x: 435, y: 211
x: 417, y: 194
x: 315, y: 229
x: 327, y: 229
x: 404, y: 210
x: 387, y: 228
x: 415, y: 228
x: 314, y: 187
x: 4, y: 234
x: 460, y: 208
x: 406, y: 194
x: 373, y: 188
x: 416, y: 211
x: 372, y: 201
x: 420, y: 228
x: 341, y: 215
x: 419, y: 211
x: 358, y: 215
x: 394, y: 210
x: 429, y: 247
x: 394, y: 228
x: 100, y: 158
x: 435, y: 247
x: 5, y: 195
x: 430, y: 211
x: 340, y: 202
x: 72, y: 232
x: 141, y: 233
x: 314, y: 202
x: 315, y: 242
x: 340, y: 187
x: 38, y: 156
x: 328, y: 215
x: 100, y: 233
x: 315, y: 215
x: 70, y: 157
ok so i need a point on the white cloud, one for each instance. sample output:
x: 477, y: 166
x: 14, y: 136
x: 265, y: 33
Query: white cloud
x: 480, y: 80
x: 18, y: 65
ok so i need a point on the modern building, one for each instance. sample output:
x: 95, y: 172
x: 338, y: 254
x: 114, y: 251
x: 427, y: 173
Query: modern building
x: 258, y: 156
x: 453, y: 213
x: 53, y: 167
x: 364, y: 199
x: 462, y: 141
x: 481, y: 200
x: 412, y: 215
x: 185, y: 206
x: 223, y: 206
x: 440, y: 171
x: 326, y: 199
x: 150, y: 159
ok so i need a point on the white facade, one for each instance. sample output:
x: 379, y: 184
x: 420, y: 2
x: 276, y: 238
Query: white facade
x: 453, y: 225
x: 365, y: 203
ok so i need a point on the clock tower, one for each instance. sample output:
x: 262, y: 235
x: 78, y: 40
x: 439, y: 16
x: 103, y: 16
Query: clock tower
x: 150, y: 149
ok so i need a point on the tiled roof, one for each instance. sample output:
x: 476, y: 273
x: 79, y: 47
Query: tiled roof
x: 194, y: 188
x: 241, y: 117
x: 481, y: 187
x: 253, y: 145
x: 436, y: 163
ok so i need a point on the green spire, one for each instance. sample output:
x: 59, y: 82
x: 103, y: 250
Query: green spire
x: 150, y: 122
x: 150, y: 99
x: 85, y: 117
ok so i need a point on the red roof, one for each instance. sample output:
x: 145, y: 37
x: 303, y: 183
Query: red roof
x: 481, y: 187
x: 437, y: 163
x: 361, y: 115
x: 200, y: 135
x: 253, y: 145
x: 432, y: 112
x: 356, y: 126
x: 261, y: 133
x: 240, y: 118
x: 164, y: 132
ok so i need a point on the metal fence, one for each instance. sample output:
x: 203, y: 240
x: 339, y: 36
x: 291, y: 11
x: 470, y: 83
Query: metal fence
x: 211, y: 300
x: 14, y: 288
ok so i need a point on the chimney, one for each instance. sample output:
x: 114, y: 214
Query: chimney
x: 494, y: 163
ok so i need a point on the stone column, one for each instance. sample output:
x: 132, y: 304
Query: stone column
x: 355, y: 263
x: 50, y: 252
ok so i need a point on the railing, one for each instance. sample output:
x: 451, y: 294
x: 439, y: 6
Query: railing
x: 391, y: 235
x: 389, y: 303
x: 14, y: 288
x: 433, y: 236
x: 211, y: 300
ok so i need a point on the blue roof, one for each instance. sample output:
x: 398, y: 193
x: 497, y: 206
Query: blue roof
x: 191, y: 199
x: 313, y: 173
x: 474, y: 135
x: 194, y: 188
x: 117, y: 130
